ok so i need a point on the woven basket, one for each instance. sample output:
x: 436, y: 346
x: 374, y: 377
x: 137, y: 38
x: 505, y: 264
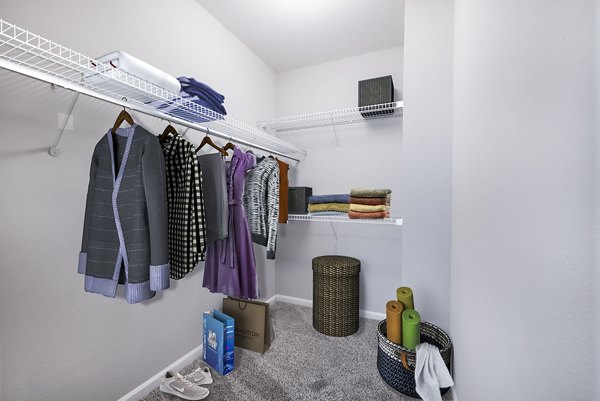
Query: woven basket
x: 396, y: 364
x: 335, y: 295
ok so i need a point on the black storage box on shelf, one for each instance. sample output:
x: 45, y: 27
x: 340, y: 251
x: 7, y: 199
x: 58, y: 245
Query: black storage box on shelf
x: 375, y: 91
x: 298, y: 199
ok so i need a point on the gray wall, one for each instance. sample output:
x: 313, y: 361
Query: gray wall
x: 426, y: 192
x: 521, y: 169
x: 523, y: 200
x: 597, y: 238
x: 413, y: 157
x: 366, y: 155
x: 58, y: 342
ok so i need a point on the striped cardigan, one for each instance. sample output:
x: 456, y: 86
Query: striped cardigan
x: 125, y: 226
x: 261, y: 201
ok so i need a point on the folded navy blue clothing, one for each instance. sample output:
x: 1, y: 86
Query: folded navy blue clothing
x: 207, y: 95
x: 198, y: 93
x: 204, y: 94
x: 175, y: 108
x: 185, y: 81
x: 335, y: 198
x: 217, y: 106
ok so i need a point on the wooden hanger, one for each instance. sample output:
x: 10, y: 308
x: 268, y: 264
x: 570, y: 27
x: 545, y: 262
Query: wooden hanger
x: 123, y: 116
x: 168, y: 130
x: 228, y: 146
x: 209, y: 141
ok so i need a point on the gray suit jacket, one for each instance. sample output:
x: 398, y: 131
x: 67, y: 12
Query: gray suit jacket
x: 125, y: 226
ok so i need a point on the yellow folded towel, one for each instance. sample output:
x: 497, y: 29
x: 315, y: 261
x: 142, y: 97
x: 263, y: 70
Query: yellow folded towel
x: 329, y: 207
x: 355, y: 207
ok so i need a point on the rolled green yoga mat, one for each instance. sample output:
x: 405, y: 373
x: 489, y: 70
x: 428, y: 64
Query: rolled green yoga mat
x: 411, y: 334
x: 405, y: 297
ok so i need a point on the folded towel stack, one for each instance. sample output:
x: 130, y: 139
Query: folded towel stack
x: 329, y: 205
x: 368, y: 203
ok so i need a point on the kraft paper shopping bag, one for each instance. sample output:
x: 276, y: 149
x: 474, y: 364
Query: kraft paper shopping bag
x: 252, y: 323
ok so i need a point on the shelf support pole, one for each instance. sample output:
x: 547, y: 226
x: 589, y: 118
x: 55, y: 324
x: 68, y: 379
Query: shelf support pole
x: 53, y: 150
x: 337, y: 142
x: 333, y: 229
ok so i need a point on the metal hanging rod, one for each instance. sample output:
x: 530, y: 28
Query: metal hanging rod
x: 34, y: 56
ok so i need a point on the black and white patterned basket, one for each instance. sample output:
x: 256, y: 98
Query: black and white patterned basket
x: 396, y: 364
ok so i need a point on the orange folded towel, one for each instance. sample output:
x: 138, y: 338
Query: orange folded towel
x: 371, y: 215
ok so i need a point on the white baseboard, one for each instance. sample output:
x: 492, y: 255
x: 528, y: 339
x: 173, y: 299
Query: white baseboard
x: 294, y: 300
x: 367, y: 314
x: 307, y: 302
x: 146, y: 387
x: 271, y: 300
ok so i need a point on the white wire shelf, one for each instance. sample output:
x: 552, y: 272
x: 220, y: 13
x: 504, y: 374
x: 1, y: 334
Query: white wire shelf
x: 29, y: 54
x: 393, y: 221
x: 333, y: 117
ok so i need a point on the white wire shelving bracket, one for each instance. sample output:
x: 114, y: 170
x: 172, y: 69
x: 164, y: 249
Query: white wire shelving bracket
x: 333, y: 117
x: 31, y: 55
x: 393, y: 221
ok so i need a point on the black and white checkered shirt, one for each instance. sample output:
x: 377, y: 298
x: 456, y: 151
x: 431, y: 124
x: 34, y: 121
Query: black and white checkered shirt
x: 186, y: 206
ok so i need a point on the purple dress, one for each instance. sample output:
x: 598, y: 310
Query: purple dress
x: 230, y: 267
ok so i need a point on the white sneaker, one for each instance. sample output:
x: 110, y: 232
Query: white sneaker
x: 182, y: 387
x: 200, y: 376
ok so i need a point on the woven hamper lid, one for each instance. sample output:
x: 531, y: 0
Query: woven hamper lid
x: 336, y: 265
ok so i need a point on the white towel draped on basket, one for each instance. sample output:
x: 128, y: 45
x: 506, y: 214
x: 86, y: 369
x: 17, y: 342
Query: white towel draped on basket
x: 431, y: 372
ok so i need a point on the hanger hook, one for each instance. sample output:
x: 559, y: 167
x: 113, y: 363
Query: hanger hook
x: 207, y: 131
x: 124, y: 99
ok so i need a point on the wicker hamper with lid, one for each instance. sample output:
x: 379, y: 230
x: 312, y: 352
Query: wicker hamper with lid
x: 335, y: 294
x: 396, y: 364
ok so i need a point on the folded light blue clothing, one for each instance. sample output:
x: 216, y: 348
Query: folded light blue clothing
x: 335, y: 198
x: 328, y: 214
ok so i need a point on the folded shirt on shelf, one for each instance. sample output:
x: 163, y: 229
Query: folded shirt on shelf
x: 199, y: 94
x: 329, y: 207
x: 335, y: 198
x: 368, y: 208
x: 370, y: 193
x: 371, y: 201
x: 365, y: 215
x: 204, y: 94
x: 329, y: 213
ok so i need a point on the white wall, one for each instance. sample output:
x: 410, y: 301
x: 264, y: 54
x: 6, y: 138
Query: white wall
x: 367, y: 156
x: 427, y: 156
x: 597, y: 211
x: 58, y: 342
x: 523, y: 198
